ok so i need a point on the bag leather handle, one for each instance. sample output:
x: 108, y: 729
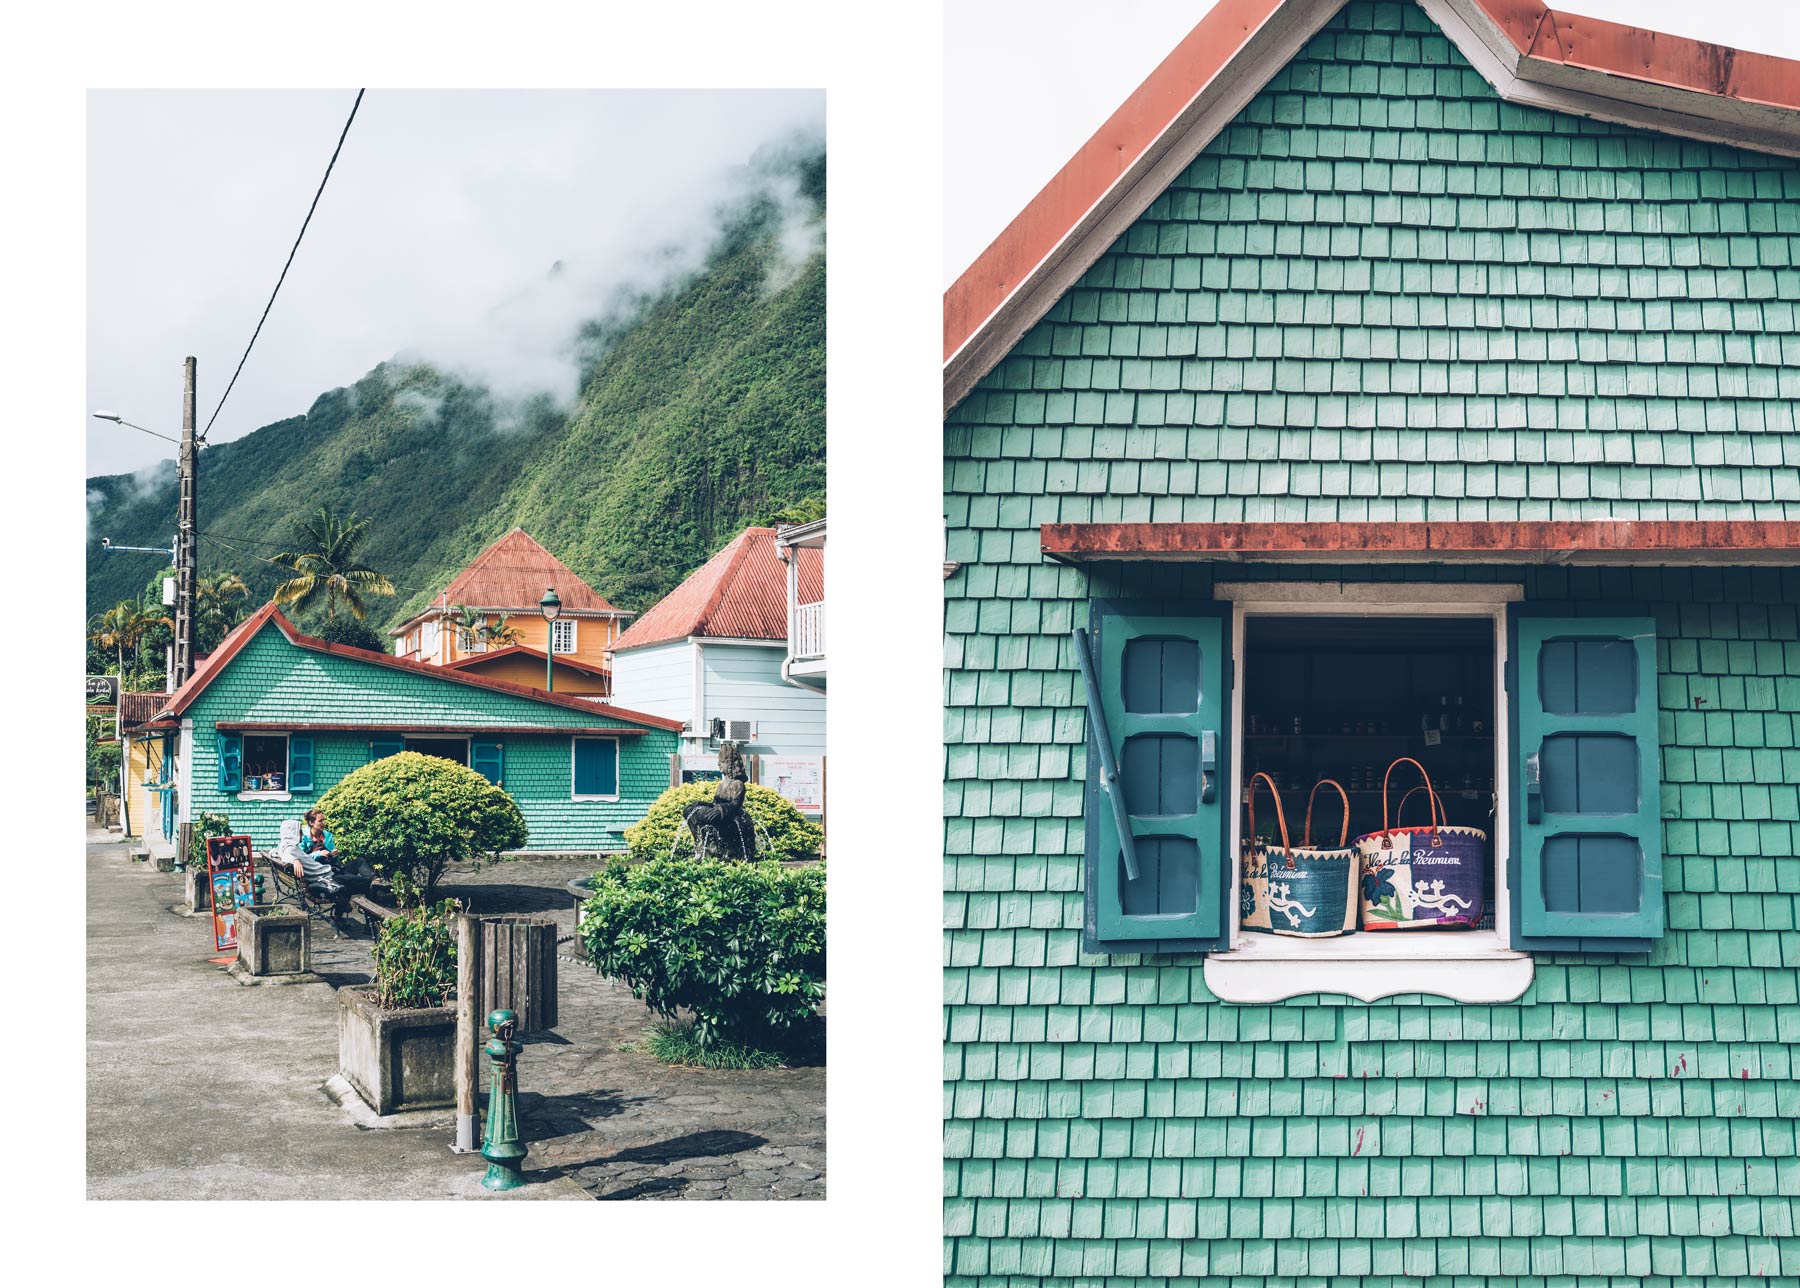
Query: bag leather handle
x: 1400, y: 811
x: 1437, y: 825
x: 1344, y: 831
x: 1280, y: 816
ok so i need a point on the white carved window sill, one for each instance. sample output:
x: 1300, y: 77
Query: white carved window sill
x: 1465, y: 966
x: 265, y: 796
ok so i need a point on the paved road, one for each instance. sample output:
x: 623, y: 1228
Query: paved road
x: 201, y: 1088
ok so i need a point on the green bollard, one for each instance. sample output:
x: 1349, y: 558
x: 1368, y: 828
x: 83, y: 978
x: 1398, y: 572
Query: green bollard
x: 500, y: 1144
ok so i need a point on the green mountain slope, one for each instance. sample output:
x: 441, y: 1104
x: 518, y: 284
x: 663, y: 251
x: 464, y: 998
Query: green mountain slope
x: 702, y: 411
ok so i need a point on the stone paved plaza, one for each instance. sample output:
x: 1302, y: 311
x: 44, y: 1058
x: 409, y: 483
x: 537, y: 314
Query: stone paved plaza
x: 171, y: 1038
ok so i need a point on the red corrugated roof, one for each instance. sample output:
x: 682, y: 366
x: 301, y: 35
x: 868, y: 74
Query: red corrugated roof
x: 511, y: 576
x: 475, y: 661
x: 740, y: 593
x: 137, y: 708
x: 179, y: 700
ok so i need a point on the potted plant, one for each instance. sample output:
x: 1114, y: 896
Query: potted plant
x: 397, y: 1037
x: 274, y: 940
x: 199, y: 889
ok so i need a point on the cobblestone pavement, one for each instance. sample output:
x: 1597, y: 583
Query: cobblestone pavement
x: 620, y: 1123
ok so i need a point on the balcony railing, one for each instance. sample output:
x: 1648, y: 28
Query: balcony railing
x: 808, y: 630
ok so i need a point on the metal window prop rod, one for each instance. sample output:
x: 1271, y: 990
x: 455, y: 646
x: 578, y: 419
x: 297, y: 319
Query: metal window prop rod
x: 1109, y: 766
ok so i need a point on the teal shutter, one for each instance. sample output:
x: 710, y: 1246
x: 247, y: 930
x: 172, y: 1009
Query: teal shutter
x: 488, y: 759
x: 231, y: 762
x: 596, y: 767
x: 382, y: 748
x: 1586, y: 864
x: 300, y: 764
x: 1161, y: 693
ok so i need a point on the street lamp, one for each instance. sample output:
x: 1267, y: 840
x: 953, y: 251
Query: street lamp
x: 117, y: 419
x: 549, y: 606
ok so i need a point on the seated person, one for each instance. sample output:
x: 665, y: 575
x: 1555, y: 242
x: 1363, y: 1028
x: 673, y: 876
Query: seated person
x: 311, y: 854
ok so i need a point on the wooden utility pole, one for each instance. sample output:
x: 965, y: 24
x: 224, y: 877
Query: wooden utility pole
x: 187, y: 534
x: 468, y: 1036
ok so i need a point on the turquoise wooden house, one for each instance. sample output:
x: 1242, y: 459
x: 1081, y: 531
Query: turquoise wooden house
x: 273, y: 718
x: 1383, y: 380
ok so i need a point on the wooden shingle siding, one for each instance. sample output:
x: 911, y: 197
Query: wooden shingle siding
x: 1384, y: 294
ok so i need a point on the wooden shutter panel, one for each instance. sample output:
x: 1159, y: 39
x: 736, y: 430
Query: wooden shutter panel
x: 231, y: 762
x: 1162, y: 694
x: 488, y: 760
x: 1586, y: 864
x: 382, y: 748
x: 300, y: 764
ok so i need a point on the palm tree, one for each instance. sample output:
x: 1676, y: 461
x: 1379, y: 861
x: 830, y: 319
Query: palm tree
x: 123, y: 626
x: 325, y: 566
x: 215, y: 606
x: 498, y: 632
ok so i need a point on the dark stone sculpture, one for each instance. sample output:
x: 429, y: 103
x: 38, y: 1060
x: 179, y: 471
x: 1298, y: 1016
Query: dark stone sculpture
x: 722, y: 827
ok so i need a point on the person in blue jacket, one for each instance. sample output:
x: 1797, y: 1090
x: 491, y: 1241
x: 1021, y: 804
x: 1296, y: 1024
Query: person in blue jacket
x: 320, y: 850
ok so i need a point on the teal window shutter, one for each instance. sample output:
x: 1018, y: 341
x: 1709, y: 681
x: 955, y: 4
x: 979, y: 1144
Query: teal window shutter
x: 231, y: 762
x: 488, y: 759
x: 1158, y: 716
x: 1585, y: 870
x: 300, y: 764
x: 382, y: 748
x: 596, y: 767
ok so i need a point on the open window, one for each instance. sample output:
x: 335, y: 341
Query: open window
x: 1536, y: 725
x: 264, y: 766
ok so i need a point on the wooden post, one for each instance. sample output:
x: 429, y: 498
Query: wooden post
x: 468, y: 1036
x: 674, y: 769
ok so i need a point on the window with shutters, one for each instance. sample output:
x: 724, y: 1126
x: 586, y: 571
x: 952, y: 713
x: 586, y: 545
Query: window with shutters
x: 595, y: 769
x: 266, y: 766
x: 562, y: 635
x: 1543, y: 740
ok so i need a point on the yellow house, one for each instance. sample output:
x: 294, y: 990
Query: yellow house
x: 508, y: 580
x: 147, y: 769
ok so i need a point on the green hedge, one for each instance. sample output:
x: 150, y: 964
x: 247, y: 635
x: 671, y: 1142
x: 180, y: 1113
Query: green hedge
x: 791, y: 835
x: 741, y: 946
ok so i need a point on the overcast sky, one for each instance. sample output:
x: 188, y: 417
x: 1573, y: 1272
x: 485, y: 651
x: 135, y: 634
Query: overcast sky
x: 436, y: 235
x: 1026, y: 82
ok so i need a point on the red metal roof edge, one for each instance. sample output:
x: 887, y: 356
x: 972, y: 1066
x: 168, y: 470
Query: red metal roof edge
x: 184, y: 696
x: 1020, y: 250
x: 475, y: 659
x: 1638, y: 53
x: 1092, y: 540
x: 351, y: 726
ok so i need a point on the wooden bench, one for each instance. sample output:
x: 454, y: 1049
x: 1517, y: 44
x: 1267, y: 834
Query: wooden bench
x: 291, y: 890
x: 373, y: 914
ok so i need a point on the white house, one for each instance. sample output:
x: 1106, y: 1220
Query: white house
x: 712, y: 653
x: 805, y: 664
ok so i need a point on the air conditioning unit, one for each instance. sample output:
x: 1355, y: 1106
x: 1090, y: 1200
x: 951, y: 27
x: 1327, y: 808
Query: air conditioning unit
x: 733, y: 730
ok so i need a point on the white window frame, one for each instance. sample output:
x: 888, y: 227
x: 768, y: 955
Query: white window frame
x: 470, y: 640
x: 560, y: 622
x: 1466, y: 965
x: 618, y: 767
x: 287, y: 767
x: 430, y: 636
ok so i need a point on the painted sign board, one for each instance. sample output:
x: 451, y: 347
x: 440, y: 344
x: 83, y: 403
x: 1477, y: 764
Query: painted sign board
x: 230, y: 872
x: 102, y: 692
x: 700, y: 767
x: 799, y: 779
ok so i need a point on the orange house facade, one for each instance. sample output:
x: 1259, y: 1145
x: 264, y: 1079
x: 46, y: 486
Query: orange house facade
x: 502, y: 588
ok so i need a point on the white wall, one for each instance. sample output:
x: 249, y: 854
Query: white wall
x: 658, y: 680
x: 743, y: 682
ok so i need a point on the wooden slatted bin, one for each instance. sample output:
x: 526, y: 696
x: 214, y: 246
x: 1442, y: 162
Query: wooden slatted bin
x: 518, y: 968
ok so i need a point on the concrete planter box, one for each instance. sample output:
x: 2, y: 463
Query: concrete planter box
x: 396, y: 1059
x: 273, y: 945
x: 199, y: 890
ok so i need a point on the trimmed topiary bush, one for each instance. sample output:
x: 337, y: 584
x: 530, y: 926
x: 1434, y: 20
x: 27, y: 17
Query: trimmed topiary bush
x: 789, y: 831
x: 413, y: 815
x: 741, y: 946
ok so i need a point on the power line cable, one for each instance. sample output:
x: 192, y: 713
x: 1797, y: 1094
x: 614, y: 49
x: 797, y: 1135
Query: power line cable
x: 284, y: 268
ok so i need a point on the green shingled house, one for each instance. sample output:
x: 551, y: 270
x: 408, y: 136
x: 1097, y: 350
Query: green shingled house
x: 1384, y: 380
x: 274, y: 718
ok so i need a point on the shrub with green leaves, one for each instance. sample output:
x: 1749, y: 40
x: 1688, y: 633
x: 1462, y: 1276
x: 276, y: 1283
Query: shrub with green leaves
x: 740, y: 946
x: 791, y: 835
x: 415, y: 958
x: 207, y: 825
x: 414, y: 815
